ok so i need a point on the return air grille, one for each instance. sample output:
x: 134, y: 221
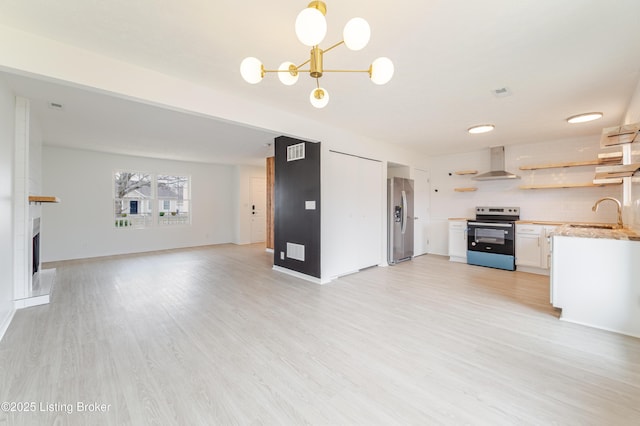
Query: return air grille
x: 295, y: 152
x: 295, y: 251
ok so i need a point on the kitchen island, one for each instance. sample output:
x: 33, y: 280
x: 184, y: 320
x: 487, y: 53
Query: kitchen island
x: 595, y: 277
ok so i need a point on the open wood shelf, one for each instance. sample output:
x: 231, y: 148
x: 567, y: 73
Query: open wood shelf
x: 599, y: 162
x: 43, y: 199
x: 466, y: 172
x: 617, y: 171
x: 470, y: 189
x: 570, y: 185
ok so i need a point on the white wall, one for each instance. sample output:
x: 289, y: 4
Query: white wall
x: 34, y: 178
x: 7, y: 114
x: 243, y: 198
x: 632, y: 208
x: 81, y: 225
x: 570, y: 204
x: 633, y: 110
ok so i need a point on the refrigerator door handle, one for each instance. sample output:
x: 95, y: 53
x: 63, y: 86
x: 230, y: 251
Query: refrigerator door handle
x: 404, y: 212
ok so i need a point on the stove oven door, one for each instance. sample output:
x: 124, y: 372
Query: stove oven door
x: 491, y: 244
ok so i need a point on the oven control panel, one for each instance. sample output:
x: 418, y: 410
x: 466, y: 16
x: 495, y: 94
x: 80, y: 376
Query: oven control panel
x: 498, y: 211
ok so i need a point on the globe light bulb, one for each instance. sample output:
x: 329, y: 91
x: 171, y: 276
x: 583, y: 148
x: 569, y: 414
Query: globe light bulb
x: 286, y: 75
x: 356, y: 34
x: 319, y: 97
x: 311, y: 27
x: 251, y: 70
x: 381, y: 70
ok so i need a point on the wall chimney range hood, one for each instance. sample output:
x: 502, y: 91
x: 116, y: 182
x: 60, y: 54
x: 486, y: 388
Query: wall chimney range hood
x: 497, y: 171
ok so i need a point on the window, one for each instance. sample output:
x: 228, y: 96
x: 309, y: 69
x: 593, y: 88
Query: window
x: 132, y: 199
x: 173, y: 199
x: 139, y: 197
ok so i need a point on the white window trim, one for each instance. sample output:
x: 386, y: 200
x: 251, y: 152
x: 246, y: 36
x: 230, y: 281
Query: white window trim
x: 154, y: 201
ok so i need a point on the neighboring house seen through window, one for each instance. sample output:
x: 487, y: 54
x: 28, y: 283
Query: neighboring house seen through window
x: 173, y: 199
x: 140, y: 197
x: 132, y: 199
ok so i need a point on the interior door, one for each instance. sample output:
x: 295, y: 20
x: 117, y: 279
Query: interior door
x: 258, y: 209
x: 421, y: 189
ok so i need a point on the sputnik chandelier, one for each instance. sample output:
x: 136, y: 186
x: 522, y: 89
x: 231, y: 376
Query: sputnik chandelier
x: 311, y: 29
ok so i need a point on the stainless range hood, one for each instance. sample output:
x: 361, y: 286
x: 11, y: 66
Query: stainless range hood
x: 497, y: 167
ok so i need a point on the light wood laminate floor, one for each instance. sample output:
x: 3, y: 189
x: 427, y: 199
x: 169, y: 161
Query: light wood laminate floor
x: 214, y: 336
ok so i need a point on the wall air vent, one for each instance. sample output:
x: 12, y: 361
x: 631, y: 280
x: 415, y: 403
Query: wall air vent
x: 295, y: 251
x: 295, y: 152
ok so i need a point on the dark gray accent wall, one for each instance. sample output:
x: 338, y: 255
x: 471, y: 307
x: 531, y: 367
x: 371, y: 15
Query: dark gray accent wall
x: 296, y: 183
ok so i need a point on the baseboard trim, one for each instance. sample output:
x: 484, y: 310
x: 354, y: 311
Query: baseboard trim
x: 32, y: 301
x: 599, y: 327
x: 4, y: 325
x: 532, y: 270
x: 300, y: 275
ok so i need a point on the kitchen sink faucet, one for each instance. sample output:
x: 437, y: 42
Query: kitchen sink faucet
x: 595, y: 208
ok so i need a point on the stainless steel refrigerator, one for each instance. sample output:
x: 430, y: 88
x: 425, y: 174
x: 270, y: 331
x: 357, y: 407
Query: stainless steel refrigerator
x: 400, y: 216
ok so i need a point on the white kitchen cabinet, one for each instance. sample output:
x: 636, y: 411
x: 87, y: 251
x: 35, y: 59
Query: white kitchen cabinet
x: 529, y: 245
x: 546, y: 246
x: 595, y: 282
x: 533, y: 248
x: 458, y: 240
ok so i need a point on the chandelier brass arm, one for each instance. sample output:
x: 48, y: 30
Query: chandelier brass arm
x: 294, y: 69
x: 311, y: 29
x: 367, y: 70
x: 334, y: 46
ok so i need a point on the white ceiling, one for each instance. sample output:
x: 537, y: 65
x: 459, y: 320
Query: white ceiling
x: 101, y: 122
x: 557, y: 58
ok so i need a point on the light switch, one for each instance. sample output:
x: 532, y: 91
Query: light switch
x: 310, y: 205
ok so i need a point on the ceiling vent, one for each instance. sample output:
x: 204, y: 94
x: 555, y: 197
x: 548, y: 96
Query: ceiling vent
x: 502, y: 92
x: 56, y: 105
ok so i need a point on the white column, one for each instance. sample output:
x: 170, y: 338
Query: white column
x: 22, y: 231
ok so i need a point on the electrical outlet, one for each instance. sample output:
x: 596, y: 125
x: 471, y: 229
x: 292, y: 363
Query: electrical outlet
x: 281, y: 255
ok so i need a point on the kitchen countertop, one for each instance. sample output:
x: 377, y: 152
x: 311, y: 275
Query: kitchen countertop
x: 539, y: 222
x: 559, y: 223
x: 614, y: 234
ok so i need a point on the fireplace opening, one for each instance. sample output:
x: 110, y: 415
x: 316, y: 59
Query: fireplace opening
x: 35, y: 254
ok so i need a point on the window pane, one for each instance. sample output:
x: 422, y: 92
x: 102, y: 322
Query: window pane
x: 173, y: 199
x: 132, y: 199
x: 173, y: 187
x: 130, y: 184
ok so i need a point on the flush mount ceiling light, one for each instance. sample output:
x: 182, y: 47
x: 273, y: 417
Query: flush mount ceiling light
x: 481, y: 128
x: 311, y: 28
x: 583, y: 118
